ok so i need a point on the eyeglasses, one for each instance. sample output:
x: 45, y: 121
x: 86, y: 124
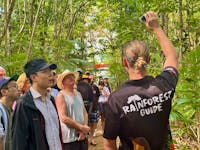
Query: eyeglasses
x: 14, y: 86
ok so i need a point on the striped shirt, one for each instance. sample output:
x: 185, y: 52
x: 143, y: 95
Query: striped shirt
x: 51, y: 119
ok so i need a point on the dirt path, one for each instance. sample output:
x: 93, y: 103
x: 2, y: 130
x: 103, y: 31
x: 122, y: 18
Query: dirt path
x: 99, y: 140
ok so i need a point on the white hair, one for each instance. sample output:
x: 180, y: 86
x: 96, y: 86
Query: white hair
x: 1, y: 68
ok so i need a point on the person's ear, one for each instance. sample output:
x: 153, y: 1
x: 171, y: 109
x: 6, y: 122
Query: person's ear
x: 125, y: 62
x: 148, y: 59
x: 4, y: 92
x: 33, y: 77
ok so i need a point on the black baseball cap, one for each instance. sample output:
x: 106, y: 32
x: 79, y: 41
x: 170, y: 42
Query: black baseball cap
x: 37, y: 65
x: 5, y: 81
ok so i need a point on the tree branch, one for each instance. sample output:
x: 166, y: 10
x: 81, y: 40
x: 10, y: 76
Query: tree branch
x: 33, y: 32
x: 24, y: 22
x: 7, y: 17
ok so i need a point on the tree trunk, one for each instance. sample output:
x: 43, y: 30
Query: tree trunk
x: 29, y: 50
x: 8, y: 9
x: 32, y: 5
x: 25, y: 16
x: 73, y: 18
x: 181, y: 29
x: 7, y: 47
x: 55, y: 34
x: 164, y: 19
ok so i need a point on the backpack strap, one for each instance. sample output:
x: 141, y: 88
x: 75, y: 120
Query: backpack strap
x: 3, y: 124
x: 4, y: 120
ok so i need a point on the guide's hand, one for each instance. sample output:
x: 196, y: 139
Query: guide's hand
x: 151, y: 20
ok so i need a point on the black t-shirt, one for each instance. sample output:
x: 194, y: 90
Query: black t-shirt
x: 87, y: 94
x: 141, y: 108
x: 86, y: 91
x: 96, y: 94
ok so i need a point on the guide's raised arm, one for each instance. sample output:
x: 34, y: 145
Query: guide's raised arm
x: 151, y: 21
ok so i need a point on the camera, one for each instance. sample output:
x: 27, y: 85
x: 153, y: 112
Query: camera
x: 143, y: 18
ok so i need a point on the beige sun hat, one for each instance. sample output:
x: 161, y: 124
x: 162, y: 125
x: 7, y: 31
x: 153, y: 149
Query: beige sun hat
x: 21, y: 80
x: 63, y: 75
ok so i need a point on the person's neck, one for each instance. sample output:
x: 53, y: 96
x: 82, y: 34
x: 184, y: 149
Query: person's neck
x: 85, y: 81
x: 69, y: 91
x: 7, y: 102
x: 42, y: 91
x: 135, y: 75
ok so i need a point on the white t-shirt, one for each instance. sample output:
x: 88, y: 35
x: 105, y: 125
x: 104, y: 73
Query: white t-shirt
x: 103, y: 97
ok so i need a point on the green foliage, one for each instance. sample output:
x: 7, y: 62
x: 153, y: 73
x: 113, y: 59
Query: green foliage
x: 14, y: 63
x: 80, y: 33
x: 188, y: 96
x: 186, y: 106
x: 118, y: 75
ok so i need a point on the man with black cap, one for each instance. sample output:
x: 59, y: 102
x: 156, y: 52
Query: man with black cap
x: 9, y: 92
x: 80, y: 72
x: 85, y: 89
x: 36, y: 124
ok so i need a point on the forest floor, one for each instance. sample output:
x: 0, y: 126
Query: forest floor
x: 98, y: 138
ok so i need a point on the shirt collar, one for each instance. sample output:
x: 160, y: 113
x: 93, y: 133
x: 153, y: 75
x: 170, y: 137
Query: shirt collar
x: 37, y: 95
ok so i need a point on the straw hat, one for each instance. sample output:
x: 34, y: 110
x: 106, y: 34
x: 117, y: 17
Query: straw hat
x: 63, y: 75
x: 85, y: 76
x: 21, y: 80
